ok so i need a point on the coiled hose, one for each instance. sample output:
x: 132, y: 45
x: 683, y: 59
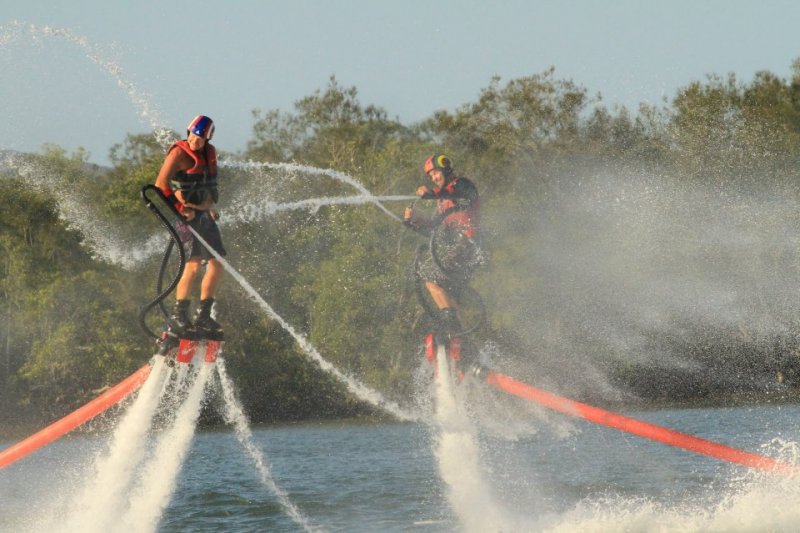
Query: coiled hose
x: 175, y: 239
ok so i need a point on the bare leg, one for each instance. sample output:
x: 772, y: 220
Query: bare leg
x: 211, y: 279
x: 184, y: 288
x: 439, y: 295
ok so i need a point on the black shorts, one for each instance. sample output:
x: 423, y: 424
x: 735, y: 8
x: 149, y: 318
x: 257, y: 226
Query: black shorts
x: 207, y: 228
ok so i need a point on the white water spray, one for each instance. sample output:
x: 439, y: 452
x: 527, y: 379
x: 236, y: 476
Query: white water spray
x: 458, y: 457
x: 104, y: 494
x: 759, y: 503
x: 15, y: 30
x: 353, y: 385
x: 235, y: 416
x: 112, y: 498
x: 158, y: 481
x: 72, y: 209
x: 253, y: 212
x: 341, y: 176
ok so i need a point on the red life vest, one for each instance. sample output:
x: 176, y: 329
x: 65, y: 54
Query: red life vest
x: 196, y: 182
x: 467, y: 221
x: 205, y: 162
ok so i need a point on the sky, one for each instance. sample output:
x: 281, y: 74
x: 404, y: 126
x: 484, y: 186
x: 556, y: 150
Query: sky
x: 131, y: 66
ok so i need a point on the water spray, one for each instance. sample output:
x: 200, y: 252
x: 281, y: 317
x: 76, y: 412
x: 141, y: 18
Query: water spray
x: 266, y: 208
x: 150, y: 115
x: 359, y: 389
x: 235, y: 416
x: 341, y: 176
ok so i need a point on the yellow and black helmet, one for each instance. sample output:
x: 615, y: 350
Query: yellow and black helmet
x: 439, y: 162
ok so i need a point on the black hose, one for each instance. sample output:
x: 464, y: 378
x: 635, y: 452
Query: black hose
x: 161, y: 272
x: 432, y: 246
x: 174, y: 239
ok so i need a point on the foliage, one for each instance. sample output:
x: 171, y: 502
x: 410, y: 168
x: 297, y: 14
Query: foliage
x: 340, y: 275
x: 135, y: 162
x: 64, y: 332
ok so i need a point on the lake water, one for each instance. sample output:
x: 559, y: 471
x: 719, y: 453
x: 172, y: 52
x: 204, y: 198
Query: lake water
x: 479, y: 461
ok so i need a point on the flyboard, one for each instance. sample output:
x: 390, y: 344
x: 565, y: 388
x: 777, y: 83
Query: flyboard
x: 176, y: 349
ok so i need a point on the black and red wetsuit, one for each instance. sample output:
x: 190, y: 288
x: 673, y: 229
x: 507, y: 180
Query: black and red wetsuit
x: 456, y: 233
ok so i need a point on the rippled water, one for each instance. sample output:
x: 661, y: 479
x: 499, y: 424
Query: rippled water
x: 385, y: 477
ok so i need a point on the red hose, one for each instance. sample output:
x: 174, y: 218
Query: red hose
x: 74, y: 419
x: 637, y: 427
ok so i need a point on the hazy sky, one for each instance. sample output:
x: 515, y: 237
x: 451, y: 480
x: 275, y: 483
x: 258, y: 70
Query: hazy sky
x: 411, y: 57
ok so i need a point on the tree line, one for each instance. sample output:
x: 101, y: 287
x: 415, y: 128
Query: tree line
x: 598, y: 224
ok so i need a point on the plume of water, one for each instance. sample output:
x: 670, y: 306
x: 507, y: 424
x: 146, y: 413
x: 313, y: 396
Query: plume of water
x: 75, y: 209
x: 458, y: 457
x: 102, y: 499
x: 159, y: 477
x: 16, y: 30
x: 626, y: 268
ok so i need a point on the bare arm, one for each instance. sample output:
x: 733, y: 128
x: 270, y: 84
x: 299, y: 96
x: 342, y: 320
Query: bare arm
x: 172, y: 165
x: 175, y: 161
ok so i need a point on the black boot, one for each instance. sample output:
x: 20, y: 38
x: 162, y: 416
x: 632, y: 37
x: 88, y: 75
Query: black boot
x: 479, y: 371
x: 468, y: 362
x: 204, y: 324
x: 179, y: 320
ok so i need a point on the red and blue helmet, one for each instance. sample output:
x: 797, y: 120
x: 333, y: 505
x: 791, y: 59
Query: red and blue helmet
x: 202, y: 126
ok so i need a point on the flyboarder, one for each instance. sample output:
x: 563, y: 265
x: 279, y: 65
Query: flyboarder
x: 188, y: 179
x: 454, y: 229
